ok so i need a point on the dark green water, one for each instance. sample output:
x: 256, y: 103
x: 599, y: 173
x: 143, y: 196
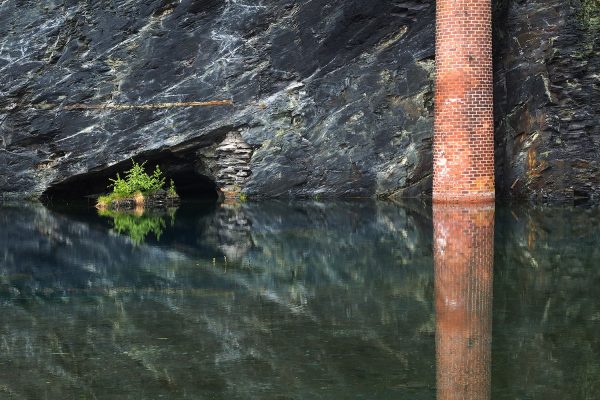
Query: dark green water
x: 301, y: 300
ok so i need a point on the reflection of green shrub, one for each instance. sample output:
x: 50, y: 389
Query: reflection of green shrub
x: 136, y: 227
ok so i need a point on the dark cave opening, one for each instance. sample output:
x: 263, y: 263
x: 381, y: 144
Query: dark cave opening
x: 191, y: 185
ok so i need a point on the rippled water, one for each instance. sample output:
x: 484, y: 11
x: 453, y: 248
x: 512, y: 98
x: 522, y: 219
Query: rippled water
x: 303, y: 300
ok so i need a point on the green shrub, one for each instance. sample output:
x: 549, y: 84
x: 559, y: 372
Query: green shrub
x: 171, y: 192
x: 137, y: 180
x: 104, y: 201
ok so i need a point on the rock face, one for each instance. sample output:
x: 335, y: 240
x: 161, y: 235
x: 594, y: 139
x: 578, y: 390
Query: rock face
x: 548, y: 100
x: 333, y: 99
x: 329, y: 99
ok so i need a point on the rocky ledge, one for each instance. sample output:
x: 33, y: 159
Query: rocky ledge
x: 159, y: 199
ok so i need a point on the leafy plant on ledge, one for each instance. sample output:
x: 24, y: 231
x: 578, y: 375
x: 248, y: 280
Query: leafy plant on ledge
x: 137, y: 188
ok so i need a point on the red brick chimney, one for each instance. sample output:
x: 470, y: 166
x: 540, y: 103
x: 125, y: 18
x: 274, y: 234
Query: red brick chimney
x: 463, y: 149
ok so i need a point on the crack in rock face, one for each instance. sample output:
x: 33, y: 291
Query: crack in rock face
x: 199, y: 170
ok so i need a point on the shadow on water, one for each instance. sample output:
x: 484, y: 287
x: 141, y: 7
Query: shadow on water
x: 295, y: 300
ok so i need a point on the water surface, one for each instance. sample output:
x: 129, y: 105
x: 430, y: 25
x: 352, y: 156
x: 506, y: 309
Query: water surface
x: 300, y: 300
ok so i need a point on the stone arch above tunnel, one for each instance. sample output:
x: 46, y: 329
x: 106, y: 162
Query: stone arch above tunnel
x: 200, y: 170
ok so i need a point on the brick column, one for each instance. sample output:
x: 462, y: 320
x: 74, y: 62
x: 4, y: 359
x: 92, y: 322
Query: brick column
x: 463, y: 258
x: 463, y: 149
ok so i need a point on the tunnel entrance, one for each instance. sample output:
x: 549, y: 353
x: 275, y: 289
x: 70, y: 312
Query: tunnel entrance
x: 182, y: 168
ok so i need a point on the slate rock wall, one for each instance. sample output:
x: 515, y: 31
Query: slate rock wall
x: 333, y: 98
x: 548, y: 100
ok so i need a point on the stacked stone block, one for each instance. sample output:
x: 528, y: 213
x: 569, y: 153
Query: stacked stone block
x: 232, y: 164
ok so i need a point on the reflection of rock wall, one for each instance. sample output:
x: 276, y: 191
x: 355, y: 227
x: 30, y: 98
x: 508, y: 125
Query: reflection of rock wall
x: 231, y: 230
x: 349, y: 284
x: 547, y: 303
x: 45, y: 251
x: 321, y: 300
x: 463, y: 257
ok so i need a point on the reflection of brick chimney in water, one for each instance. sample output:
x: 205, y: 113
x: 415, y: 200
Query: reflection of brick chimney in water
x: 463, y: 258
